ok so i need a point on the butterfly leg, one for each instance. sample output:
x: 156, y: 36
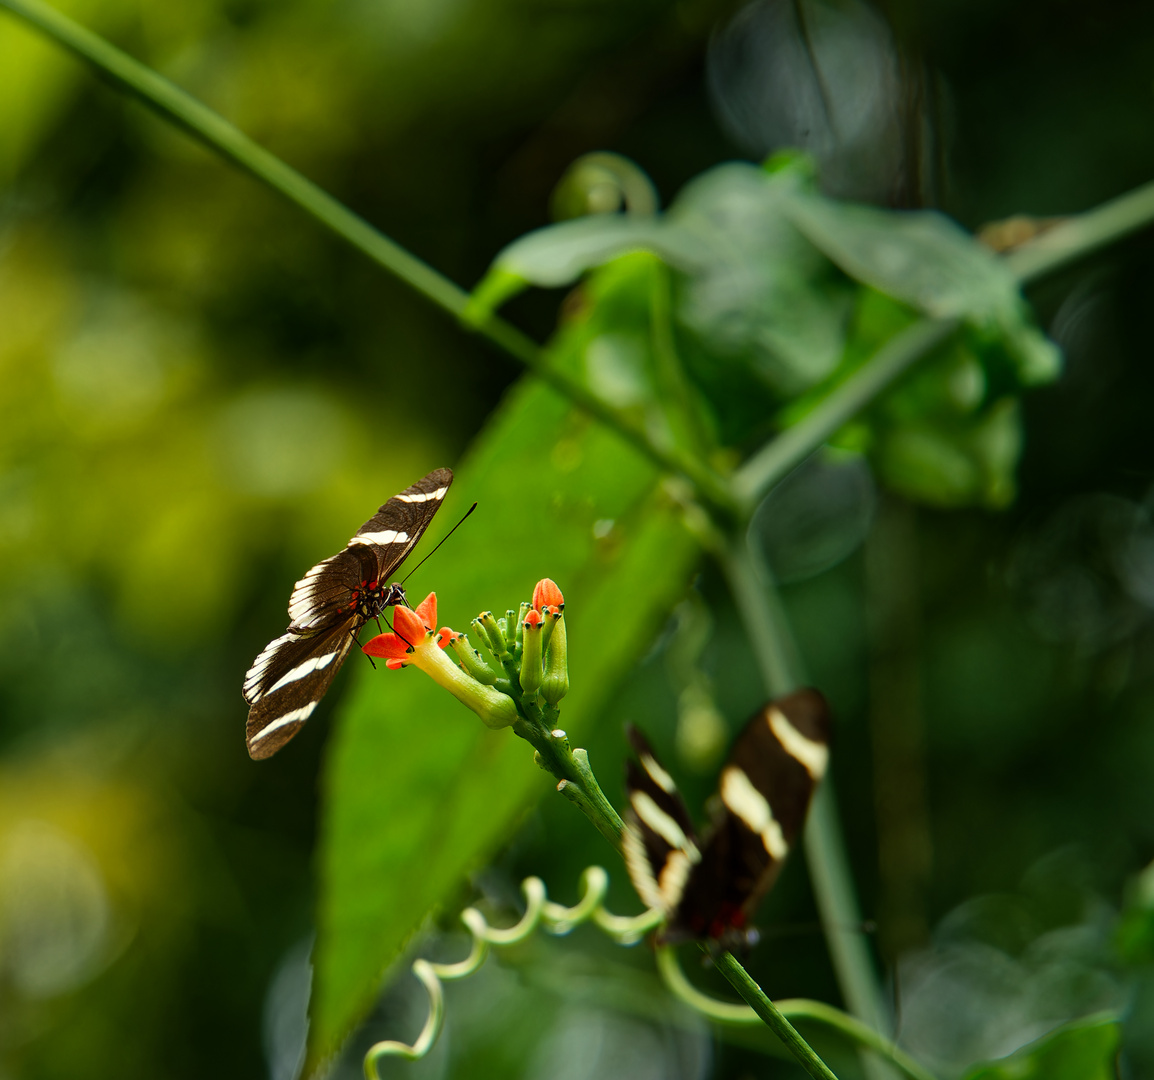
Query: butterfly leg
x: 394, y: 630
x: 356, y: 641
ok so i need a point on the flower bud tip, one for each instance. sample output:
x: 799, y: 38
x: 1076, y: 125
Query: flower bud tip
x: 546, y: 595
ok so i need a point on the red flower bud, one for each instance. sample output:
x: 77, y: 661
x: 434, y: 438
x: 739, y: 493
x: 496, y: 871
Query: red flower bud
x: 547, y: 596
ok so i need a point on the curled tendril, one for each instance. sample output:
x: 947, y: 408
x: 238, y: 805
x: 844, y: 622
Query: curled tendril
x: 603, y: 183
x: 539, y: 911
x: 559, y: 920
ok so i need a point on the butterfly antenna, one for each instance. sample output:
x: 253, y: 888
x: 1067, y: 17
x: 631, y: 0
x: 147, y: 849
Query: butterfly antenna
x: 443, y: 539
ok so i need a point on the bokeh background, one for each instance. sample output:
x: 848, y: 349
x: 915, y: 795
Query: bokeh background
x: 201, y: 393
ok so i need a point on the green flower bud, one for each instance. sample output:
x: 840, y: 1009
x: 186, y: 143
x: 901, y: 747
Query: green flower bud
x: 520, y: 617
x: 531, y: 658
x: 490, y: 633
x: 472, y: 661
x: 555, y: 682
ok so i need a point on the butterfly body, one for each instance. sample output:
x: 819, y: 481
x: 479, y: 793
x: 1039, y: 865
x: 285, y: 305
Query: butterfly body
x: 710, y: 887
x: 327, y: 608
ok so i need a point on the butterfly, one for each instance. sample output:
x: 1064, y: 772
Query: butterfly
x: 709, y: 887
x: 328, y: 606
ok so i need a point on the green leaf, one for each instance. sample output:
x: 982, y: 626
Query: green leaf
x: 559, y: 254
x: 920, y: 257
x: 416, y: 791
x: 766, y: 295
x: 1134, y: 935
x: 1081, y: 1050
x: 928, y: 261
x: 953, y: 464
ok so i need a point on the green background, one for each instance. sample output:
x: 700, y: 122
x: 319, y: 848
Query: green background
x: 201, y: 393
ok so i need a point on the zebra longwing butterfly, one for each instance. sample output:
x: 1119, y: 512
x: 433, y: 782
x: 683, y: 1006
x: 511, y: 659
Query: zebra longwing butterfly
x: 327, y: 608
x: 710, y: 887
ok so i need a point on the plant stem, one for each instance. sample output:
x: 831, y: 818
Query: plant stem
x: 762, y: 618
x: 230, y: 142
x: 789, y: 449
x: 571, y: 767
x: 804, y: 1009
x: 756, y: 999
x: 776, y: 654
x: 1082, y: 235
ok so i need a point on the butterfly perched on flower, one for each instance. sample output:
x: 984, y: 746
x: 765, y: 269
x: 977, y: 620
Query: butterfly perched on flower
x: 328, y: 606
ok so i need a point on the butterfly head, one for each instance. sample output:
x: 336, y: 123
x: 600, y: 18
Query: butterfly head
x: 374, y: 596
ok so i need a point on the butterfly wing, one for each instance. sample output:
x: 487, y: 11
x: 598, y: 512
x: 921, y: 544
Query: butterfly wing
x: 764, y: 796
x: 393, y: 531
x: 659, y: 843
x: 288, y: 680
x: 332, y: 588
x: 292, y: 673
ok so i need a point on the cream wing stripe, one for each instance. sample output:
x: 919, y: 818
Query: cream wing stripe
x: 314, y: 663
x: 744, y: 800
x: 661, y: 823
x: 429, y: 496
x: 813, y: 755
x: 640, y: 872
x: 657, y: 774
x: 389, y: 536
x: 302, y: 713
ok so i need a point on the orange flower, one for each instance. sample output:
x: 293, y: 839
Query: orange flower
x: 414, y: 641
x: 411, y: 628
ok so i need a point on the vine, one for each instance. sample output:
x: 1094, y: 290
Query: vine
x: 556, y: 919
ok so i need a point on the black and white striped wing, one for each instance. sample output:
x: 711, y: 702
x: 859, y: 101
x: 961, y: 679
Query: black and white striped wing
x: 334, y: 587
x: 763, y: 798
x: 659, y: 843
x: 395, y: 528
x: 764, y: 795
x: 328, y: 606
x: 287, y: 681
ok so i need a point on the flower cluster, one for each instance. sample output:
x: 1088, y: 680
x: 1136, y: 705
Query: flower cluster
x: 527, y: 669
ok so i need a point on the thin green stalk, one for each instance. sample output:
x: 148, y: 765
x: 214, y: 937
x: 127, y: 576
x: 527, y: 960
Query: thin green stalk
x: 230, y: 142
x: 1082, y: 235
x: 804, y: 1009
x: 841, y: 920
x: 779, y: 457
x: 778, y: 660
x: 756, y: 999
x: 762, y: 618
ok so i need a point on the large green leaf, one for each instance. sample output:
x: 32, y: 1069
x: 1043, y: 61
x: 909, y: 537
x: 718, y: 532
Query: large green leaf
x: 1081, y: 1050
x: 416, y: 790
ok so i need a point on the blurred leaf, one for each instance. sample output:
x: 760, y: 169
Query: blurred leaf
x: 617, y: 336
x: 559, y: 254
x: 416, y: 791
x: 928, y: 261
x: 1134, y: 937
x: 959, y: 464
x: 920, y: 257
x: 1081, y: 1050
x: 767, y: 296
x: 782, y: 294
